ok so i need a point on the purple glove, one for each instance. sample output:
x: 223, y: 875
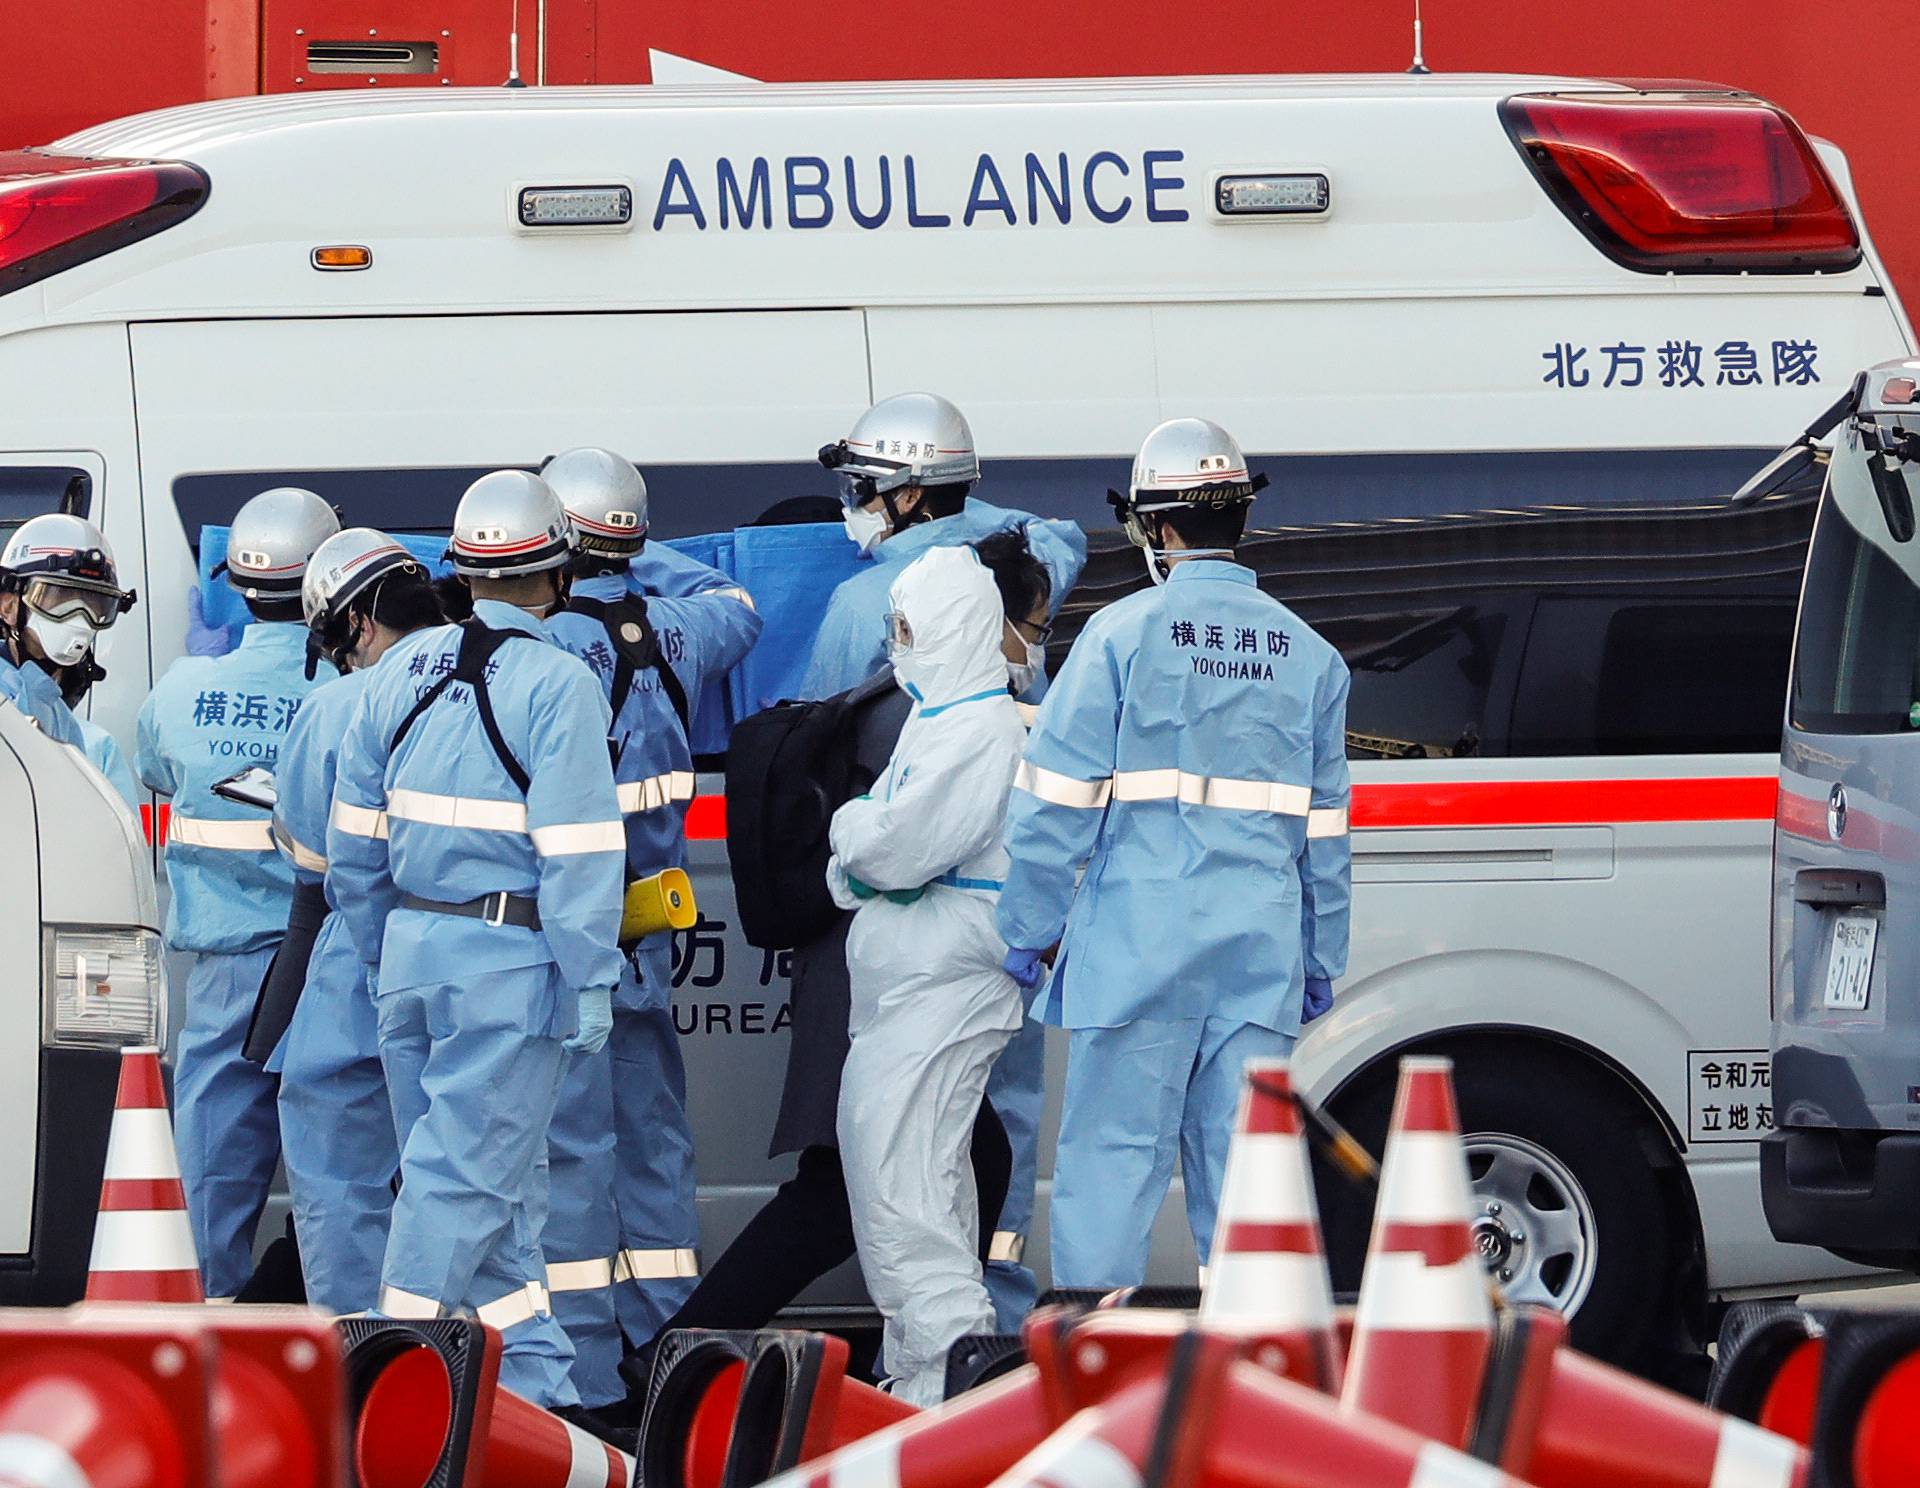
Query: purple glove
x: 1025, y: 967
x: 204, y: 639
x: 1319, y: 998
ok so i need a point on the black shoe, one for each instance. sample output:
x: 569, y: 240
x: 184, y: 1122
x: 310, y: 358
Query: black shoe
x: 637, y: 1370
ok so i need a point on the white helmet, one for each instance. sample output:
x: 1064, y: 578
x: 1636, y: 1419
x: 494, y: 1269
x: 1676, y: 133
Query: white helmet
x: 605, y: 497
x: 272, y: 538
x: 62, y: 568
x: 910, y: 439
x: 509, y: 523
x: 1184, y: 463
x: 344, y: 565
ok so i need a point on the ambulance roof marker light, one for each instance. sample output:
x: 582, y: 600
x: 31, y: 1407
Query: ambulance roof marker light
x: 1685, y: 182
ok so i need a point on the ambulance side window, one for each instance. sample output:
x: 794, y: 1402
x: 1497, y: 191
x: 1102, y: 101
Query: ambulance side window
x: 1425, y: 682
x: 31, y: 490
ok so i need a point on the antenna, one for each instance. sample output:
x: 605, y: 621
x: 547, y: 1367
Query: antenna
x: 514, y: 80
x: 1419, y: 68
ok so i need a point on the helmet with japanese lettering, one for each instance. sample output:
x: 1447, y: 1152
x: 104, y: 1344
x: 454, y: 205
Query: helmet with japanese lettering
x: 63, y: 571
x: 272, y: 538
x: 344, y: 566
x: 509, y: 523
x: 910, y: 439
x: 605, y: 497
x: 1183, y: 464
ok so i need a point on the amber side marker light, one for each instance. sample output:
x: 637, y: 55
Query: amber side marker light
x: 341, y: 257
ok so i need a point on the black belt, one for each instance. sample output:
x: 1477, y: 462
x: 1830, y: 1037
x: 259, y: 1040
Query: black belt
x: 496, y: 909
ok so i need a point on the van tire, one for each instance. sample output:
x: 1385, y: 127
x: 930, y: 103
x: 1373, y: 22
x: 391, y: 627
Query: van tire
x: 1600, y: 1132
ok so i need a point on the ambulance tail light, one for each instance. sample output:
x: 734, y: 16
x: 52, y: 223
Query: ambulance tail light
x: 1686, y: 184
x: 60, y: 210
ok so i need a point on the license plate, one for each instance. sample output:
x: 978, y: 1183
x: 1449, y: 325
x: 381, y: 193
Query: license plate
x: 1850, y: 961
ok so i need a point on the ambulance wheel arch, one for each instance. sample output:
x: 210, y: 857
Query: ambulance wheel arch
x: 1579, y: 1191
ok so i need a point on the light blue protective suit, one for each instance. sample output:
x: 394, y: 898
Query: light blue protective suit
x: 472, y: 1015
x: 207, y: 717
x: 1192, y: 757
x: 850, y: 648
x: 336, y: 1123
x: 37, y: 695
x: 930, y: 1007
x: 622, y: 1231
x: 104, y: 750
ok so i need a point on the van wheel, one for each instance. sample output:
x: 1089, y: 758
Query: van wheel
x: 1568, y: 1211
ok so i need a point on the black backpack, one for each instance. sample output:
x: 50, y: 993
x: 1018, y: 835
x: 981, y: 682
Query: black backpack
x: 789, y: 769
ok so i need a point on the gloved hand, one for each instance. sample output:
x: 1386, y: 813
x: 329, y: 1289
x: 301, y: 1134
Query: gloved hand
x: 1025, y: 967
x: 204, y: 639
x: 860, y: 889
x: 596, y: 1021
x: 1319, y: 998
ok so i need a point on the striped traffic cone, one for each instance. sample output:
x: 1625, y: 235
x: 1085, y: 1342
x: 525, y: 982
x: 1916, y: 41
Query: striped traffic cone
x: 1268, y: 1272
x: 143, y: 1247
x: 1424, y: 1325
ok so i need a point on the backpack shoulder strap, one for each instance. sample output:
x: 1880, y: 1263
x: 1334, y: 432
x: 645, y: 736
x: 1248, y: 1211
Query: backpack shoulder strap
x: 636, y: 645
x: 478, y: 643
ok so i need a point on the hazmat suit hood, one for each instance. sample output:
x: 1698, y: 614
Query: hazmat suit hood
x: 953, y: 611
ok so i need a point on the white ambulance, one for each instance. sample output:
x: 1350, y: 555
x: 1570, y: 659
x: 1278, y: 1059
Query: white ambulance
x: 1504, y: 345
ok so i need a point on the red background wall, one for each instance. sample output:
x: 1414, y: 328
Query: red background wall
x: 65, y: 63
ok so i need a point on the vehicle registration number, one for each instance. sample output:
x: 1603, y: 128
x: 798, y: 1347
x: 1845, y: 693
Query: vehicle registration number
x: 1850, y: 962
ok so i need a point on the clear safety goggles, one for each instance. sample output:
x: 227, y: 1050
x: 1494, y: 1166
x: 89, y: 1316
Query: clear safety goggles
x: 899, y: 633
x: 55, y: 600
x: 863, y: 476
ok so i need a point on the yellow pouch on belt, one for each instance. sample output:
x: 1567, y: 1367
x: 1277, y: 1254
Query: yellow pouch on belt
x: 663, y: 902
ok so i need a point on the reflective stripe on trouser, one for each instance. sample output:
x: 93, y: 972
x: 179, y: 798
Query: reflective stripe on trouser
x: 476, y: 1102
x: 1016, y: 1089
x: 337, y: 1129
x: 1137, y: 1096
x: 583, y: 1227
x: 657, y: 1266
x: 226, y: 1123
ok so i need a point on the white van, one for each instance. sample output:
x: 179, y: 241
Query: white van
x: 80, y: 925
x: 1503, y: 344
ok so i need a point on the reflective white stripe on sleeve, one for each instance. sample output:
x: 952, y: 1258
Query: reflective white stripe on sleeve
x: 1061, y: 790
x: 1008, y: 1246
x: 655, y: 1265
x: 1327, y: 821
x: 224, y: 836
x: 395, y: 1303
x: 651, y: 794
x: 473, y: 812
x: 579, y: 1276
x: 1202, y: 790
x: 521, y: 1305
x: 359, y: 821
x: 297, y: 851
x: 569, y: 838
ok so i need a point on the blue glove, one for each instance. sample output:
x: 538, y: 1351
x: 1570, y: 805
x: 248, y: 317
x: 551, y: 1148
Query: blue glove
x: 861, y: 889
x: 1025, y: 967
x: 1319, y: 998
x: 596, y: 1021
x: 204, y: 639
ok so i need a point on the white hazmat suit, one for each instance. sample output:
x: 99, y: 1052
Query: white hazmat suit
x: 931, y: 1007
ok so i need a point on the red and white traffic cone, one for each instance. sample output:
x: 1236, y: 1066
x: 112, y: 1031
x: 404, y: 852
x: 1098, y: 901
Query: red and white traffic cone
x: 105, y: 1404
x: 1424, y: 1325
x: 143, y: 1247
x: 1103, y: 1446
x: 796, y: 1403
x: 1268, y: 1272
x: 279, y: 1407
x: 531, y: 1448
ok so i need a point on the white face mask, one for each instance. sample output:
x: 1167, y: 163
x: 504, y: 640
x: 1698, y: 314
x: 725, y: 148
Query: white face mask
x: 1022, y: 674
x: 64, y: 641
x: 866, y: 528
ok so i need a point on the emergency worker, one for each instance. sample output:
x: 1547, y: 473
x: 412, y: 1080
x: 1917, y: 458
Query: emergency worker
x: 59, y: 592
x: 1191, y: 759
x: 476, y: 853
x: 623, y: 1207
x: 907, y: 470
x: 921, y: 858
x: 364, y: 595
x: 208, y: 718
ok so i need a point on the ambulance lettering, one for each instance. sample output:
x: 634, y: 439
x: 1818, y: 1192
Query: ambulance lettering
x: 802, y: 192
